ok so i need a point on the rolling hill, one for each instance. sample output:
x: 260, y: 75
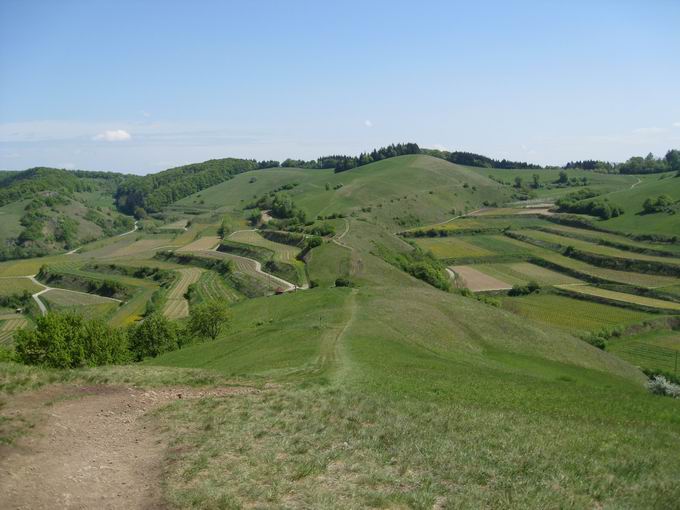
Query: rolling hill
x: 369, y: 371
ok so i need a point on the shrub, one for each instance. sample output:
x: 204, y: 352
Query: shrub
x: 208, y: 319
x: 68, y: 341
x: 153, y: 336
x: 343, y: 282
x: 524, y: 290
x: 659, y: 385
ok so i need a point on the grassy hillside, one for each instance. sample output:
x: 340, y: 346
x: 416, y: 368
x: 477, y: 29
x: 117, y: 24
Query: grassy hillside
x: 399, y: 192
x: 44, y: 210
x: 374, y: 388
x: 635, y: 220
x: 437, y: 399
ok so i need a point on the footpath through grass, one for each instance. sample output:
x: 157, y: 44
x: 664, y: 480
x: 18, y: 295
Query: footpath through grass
x: 394, y: 394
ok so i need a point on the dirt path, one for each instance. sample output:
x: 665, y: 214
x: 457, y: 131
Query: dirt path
x: 93, y: 447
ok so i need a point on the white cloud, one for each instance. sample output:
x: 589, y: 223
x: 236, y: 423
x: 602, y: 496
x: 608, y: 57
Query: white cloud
x: 145, y: 114
x: 368, y: 123
x: 676, y: 124
x: 649, y: 130
x: 114, y: 135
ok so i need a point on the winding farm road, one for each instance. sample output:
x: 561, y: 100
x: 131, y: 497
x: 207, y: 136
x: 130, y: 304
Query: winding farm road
x: 45, y: 288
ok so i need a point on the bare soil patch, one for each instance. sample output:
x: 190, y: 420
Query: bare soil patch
x: 92, y: 447
x: 477, y: 281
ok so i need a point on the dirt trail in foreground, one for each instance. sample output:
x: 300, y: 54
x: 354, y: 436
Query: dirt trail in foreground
x: 92, y: 448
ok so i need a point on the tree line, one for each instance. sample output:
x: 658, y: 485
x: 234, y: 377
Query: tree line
x: 67, y: 340
x: 635, y: 165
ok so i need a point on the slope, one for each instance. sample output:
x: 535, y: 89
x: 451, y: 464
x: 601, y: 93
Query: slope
x: 400, y: 191
x: 434, y: 396
x: 44, y: 210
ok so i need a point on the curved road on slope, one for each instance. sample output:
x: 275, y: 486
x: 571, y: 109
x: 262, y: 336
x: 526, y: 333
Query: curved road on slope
x: 45, y: 288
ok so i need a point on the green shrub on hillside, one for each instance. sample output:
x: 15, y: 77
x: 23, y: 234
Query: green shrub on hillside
x: 68, y: 341
x: 153, y: 336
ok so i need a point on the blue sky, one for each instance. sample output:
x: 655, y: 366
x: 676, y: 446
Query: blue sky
x: 139, y: 86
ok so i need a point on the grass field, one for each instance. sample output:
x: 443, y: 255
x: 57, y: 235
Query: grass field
x: 571, y: 314
x: 596, y: 248
x: 200, y: 244
x: 452, y: 247
x: 521, y: 273
x: 626, y: 277
x: 211, y: 287
x: 654, y: 350
x: 177, y: 306
x: 623, y: 297
x: 9, y: 324
x: 632, y: 199
x: 9, y: 286
x: 391, y: 393
x: 477, y: 281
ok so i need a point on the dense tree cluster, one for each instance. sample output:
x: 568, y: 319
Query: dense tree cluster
x: 29, y: 183
x: 477, y: 160
x: 583, y: 202
x: 340, y: 162
x: 151, y: 193
x: 662, y: 203
x: 67, y: 340
x: 635, y: 165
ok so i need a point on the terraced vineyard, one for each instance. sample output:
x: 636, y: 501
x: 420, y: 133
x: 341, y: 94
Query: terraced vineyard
x: 622, y: 297
x: 9, y: 324
x: 177, y: 306
x: 572, y: 314
x: 211, y: 287
x: 521, y: 273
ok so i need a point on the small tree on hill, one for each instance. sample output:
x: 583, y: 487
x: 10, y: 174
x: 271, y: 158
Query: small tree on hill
x: 153, y: 336
x: 208, y: 319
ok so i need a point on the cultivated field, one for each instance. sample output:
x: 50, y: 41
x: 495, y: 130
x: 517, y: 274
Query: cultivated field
x: 201, y: 244
x: 9, y: 286
x: 623, y: 297
x: 452, y: 248
x: 655, y: 350
x: 282, y: 252
x: 521, y: 273
x: 212, y: 287
x: 9, y: 323
x: 571, y: 314
x: 177, y: 306
x: 477, y: 281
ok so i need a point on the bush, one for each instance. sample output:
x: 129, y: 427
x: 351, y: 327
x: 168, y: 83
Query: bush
x: 153, y: 336
x: 343, y: 282
x: 524, y: 290
x: 208, y: 319
x: 68, y: 341
x: 659, y: 385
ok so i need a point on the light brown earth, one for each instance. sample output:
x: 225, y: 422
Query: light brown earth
x: 92, y: 447
x: 200, y: 244
x: 477, y: 281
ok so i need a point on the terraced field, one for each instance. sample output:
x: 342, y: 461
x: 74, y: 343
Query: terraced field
x: 572, y: 315
x: 595, y: 237
x: 626, y: 277
x: 521, y: 273
x: 9, y: 323
x: 622, y: 297
x: 282, y: 252
x: 177, y: 306
x: 452, y: 248
x: 654, y: 350
x: 477, y: 281
x: 9, y: 286
x: 596, y: 248
x: 211, y: 287
x: 201, y: 244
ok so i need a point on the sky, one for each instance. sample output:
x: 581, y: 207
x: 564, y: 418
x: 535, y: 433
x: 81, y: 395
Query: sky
x: 140, y: 86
